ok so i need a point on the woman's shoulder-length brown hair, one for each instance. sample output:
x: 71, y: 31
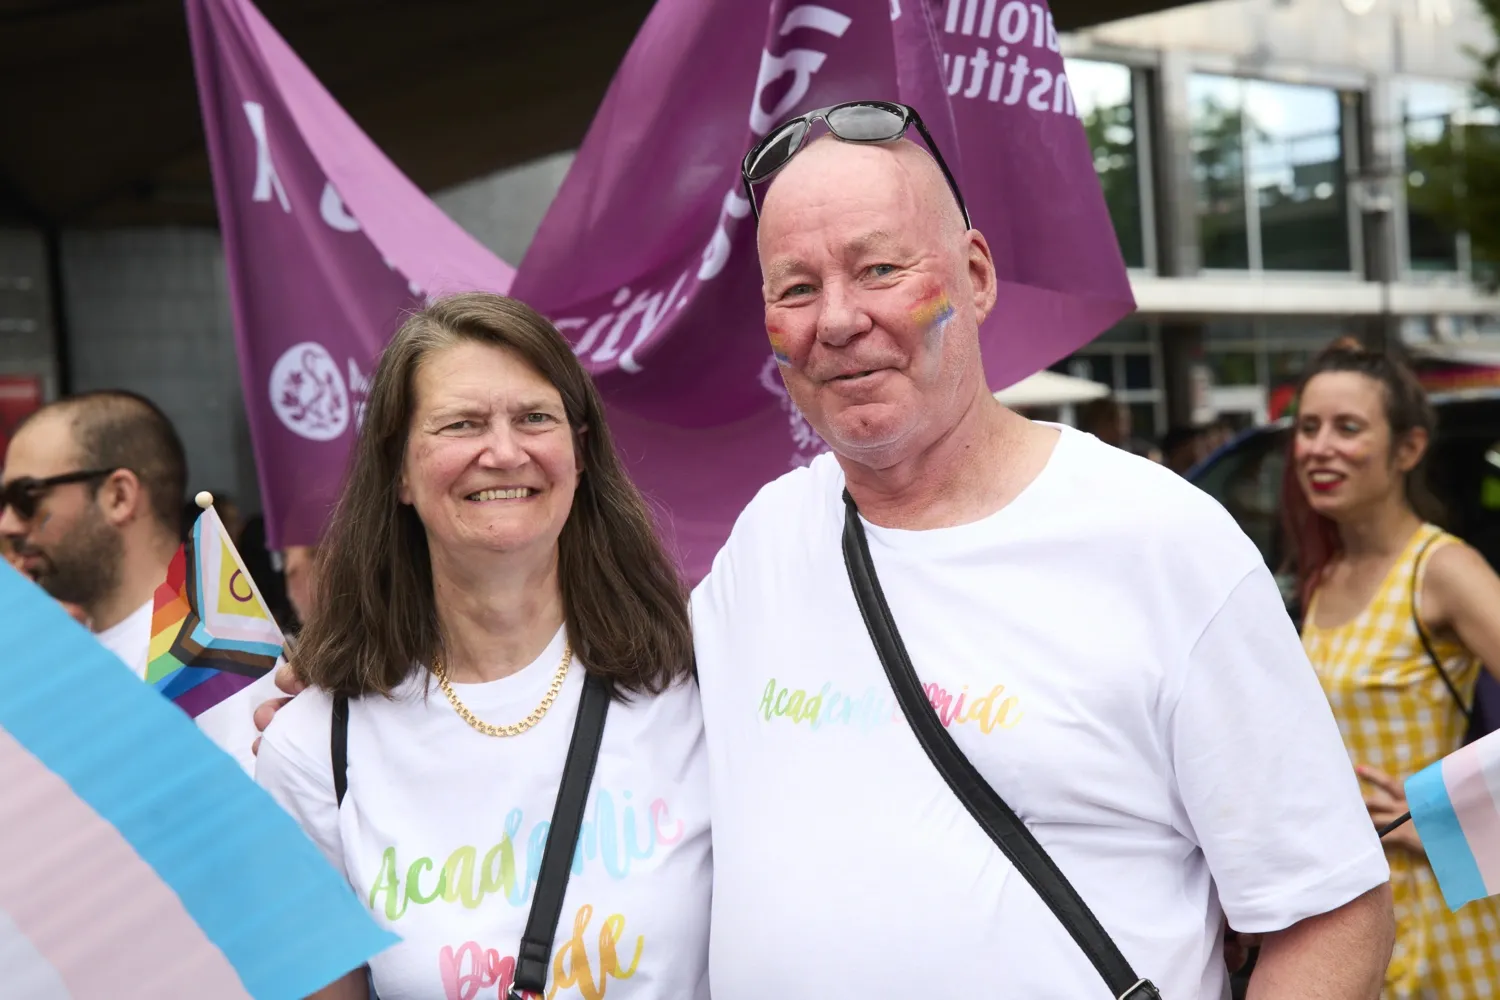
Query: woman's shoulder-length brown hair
x: 375, y: 618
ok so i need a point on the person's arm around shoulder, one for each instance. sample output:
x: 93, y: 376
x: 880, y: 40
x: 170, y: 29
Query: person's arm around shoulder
x: 1269, y: 795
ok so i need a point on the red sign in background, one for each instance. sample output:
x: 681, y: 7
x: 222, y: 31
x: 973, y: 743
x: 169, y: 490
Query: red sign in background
x: 20, y: 396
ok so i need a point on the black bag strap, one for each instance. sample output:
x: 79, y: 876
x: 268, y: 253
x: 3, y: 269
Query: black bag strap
x: 1416, y: 583
x: 339, y: 745
x: 535, y: 952
x: 989, y: 810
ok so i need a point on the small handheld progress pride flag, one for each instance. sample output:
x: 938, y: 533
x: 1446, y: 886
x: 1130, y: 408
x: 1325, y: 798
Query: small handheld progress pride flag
x: 1455, y: 804
x: 211, y: 633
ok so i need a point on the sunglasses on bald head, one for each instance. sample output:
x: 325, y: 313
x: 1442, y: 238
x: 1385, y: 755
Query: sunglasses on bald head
x: 852, y: 121
x: 24, y: 493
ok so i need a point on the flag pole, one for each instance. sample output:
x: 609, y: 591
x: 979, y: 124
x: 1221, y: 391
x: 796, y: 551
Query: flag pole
x: 1393, y: 824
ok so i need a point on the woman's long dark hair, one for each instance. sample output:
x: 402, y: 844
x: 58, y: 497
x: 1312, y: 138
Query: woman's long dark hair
x: 1312, y: 539
x: 375, y: 615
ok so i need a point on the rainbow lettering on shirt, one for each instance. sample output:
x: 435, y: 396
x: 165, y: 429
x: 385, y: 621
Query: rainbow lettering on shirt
x: 470, y: 968
x: 614, y: 839
x: 991, y: 711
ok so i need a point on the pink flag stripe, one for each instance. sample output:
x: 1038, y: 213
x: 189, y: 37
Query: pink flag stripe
x: 1478, y: 813
x: 51, y: 886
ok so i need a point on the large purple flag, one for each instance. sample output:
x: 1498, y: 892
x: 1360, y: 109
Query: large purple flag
x: 326, y: 243
x: 647, y: 260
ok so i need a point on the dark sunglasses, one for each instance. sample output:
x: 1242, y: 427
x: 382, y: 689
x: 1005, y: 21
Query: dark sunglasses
x: 853, y: 121
x: 24, y: 493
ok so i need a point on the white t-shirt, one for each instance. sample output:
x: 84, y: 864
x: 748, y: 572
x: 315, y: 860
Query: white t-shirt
x: 230, y: 723
x: 1110, y: 652
x: 442, y: 830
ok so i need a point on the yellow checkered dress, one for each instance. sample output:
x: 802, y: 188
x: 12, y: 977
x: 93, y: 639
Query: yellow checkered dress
x: 1396, y: 715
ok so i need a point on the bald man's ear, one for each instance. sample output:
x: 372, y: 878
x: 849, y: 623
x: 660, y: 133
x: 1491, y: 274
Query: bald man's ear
x: 981, y: 274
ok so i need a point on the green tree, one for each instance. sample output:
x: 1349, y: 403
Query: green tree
x: 1458, y: 163
x: 1111, y: 135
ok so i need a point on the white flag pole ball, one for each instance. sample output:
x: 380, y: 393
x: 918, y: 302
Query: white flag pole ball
x: 204, y: 500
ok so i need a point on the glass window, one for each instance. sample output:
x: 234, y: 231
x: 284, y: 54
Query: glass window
x: 1284, y: 143
x: 1098, y: 367
x: 1216, y: 105
x: 1446, y: 137
x: 1304, y: 333
x: 1138, y: 371
x: 1287, y: 366
x: 1104, y: 93
x: 1297, y: 170
x: 1127, y: 331
x: 1431, y: 175
x: 1229, y: 329
x: 1233, y: 367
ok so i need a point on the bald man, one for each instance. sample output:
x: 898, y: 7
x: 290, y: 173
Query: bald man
x: 105, y: 518
x: 1098, y: 637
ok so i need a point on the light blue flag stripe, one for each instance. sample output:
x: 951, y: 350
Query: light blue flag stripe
x: 1443, y: 838
x: 203, y: 637
x: 258, y: 887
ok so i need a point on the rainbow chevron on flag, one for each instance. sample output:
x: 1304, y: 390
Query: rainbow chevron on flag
x: 211, y: 633
x: 1455, y: 804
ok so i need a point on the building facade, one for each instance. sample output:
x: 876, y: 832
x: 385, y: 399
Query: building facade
x: 1276, y: 172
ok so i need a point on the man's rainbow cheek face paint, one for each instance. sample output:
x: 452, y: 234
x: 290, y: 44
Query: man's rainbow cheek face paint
x: 778, y: 345
x: 932, y: 313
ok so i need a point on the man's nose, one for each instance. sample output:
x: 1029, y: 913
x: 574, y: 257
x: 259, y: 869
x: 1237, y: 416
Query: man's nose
x: 841, y: 318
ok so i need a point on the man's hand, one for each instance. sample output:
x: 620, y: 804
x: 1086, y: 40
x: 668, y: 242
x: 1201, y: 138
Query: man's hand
x: 1385, y: 797
x: 1340, y: 955
x: 286, y: 680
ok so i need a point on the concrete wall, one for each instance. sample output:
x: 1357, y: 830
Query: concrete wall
x: 27, y: 346
x: 148, y: 310
x: 503, y: 210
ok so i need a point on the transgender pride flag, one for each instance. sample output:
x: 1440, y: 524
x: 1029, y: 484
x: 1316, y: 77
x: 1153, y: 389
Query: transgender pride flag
x: 140, y: 862
x: 1455, y: 804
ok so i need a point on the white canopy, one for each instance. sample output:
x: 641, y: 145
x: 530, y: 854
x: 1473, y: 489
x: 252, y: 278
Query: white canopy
x: 1047, y: 388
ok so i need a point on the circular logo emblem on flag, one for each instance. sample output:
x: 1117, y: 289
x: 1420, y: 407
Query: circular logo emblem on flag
x: 308, y: 394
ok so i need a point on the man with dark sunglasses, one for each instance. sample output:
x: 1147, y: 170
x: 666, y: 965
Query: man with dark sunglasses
x: 1100, y: 641
x: 91, y: 501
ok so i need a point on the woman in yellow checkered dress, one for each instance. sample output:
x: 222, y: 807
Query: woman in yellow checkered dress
x: 1370, y: 566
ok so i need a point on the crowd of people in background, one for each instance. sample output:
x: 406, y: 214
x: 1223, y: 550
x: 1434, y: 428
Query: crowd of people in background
x: 1179, y: 449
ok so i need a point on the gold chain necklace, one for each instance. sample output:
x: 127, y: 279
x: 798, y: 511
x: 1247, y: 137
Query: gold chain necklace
x: 515, y: 728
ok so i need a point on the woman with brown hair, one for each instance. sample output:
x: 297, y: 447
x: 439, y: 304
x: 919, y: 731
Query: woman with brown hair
x: 1398, y: 618
x: 488, y: 565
